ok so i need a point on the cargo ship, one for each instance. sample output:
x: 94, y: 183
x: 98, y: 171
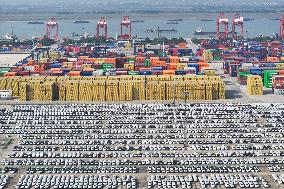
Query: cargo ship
x: 176, y: 20
x: 154, y: 30
x: 200, y: 32
x: 81, y: 22
x: 207, y: 20
x: 248, y: 19
x: 172, y: 23
x: 35, y: 22
x: 137, y: 21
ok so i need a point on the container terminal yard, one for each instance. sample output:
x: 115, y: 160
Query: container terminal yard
x: 99, y: 112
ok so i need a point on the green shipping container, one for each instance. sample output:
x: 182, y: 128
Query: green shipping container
x: 218, y: 58
x: 133, y: 73
x: 107, y: 66
x: 4, y: 70
x: 243, y: 73
x: 267, y: 77
x: 147, y: 63
x: 131, y: 59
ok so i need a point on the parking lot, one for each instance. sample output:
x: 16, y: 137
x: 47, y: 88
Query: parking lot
x: 142, y: 146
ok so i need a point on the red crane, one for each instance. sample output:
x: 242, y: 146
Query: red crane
x: 222, y: 23
x: 125, y: 29
x: 282, y: 27
x: 102, y: 24
x: 238, y: 21
x: 52, y: 25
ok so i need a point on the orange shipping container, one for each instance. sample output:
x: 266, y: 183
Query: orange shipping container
x: 55, y: 69
x: 110, y: 60
x: 83, y: 57
x: 182, y: 45
x: 74, y: 73
x: 154, y: 59
x: 272, y: 59
x: 203, y: 65
x: 172, y: 66
x: 158, y: 63
x: 140, y: 59
x: 89, y: 69
x: 31, y: 62
x: 169, y: 72
x: 174, y: 59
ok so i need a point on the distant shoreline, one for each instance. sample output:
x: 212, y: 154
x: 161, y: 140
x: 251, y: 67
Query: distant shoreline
x: 78, y: 16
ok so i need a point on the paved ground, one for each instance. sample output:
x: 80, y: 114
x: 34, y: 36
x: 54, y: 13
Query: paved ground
x: 10, y: 59
x: 237, y: 93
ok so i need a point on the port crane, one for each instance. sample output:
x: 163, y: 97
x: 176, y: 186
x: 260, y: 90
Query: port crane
x: 282, y: 27
x: 126, y: 28
x: 51, y: 25
x: 238, y: 21
x: 222, y: 23
x: 102, y: 24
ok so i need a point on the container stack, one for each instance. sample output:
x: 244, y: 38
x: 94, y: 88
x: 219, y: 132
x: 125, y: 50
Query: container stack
x: 209, y: 72
x: 12, y: 83
x: 23, y: 91
x: 3, y: 82
x: 267, y: 77
x: 85, y: 91
x: 139, y: 90
x: 47, y: 91
x: 72, y: 90
x: 99, y: 90
x: 208, y: 90
x: 34, y: 90
x: 243, y: 75
x: 112, y: 92
x: 221, y: 91
x: 123, y: 88
x: 62, y: 91
x: 208, y: 55
x: 155, y: 90
x: 278, y: 84
x: 125, y: 91
x: 255, y: 85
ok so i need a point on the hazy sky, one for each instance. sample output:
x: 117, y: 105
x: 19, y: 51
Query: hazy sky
x: 29, y: 2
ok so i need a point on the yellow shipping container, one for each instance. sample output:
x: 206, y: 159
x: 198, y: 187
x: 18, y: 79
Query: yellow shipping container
x: 99, y: 90
x: 254, y: 85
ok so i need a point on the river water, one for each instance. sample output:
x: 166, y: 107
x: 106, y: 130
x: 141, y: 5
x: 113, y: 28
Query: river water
x: 263, y: 24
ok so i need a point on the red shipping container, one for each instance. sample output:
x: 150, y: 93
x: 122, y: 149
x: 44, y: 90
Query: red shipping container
x: 23, y: 73
x: 121, y: 72
x: 157, y: 72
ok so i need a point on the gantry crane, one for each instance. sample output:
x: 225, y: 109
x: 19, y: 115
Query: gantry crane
x: 282, y: 27
x: 102, y: 24
x: 125, y: 29
x: 222, y: 22
x: 52, y: 25
x: 238, y: 21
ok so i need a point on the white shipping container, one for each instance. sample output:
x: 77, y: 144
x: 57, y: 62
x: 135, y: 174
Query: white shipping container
x: 190, y: 69
x: 5, y: 94
x: 98, y: 73
x: 72, y: 59
x: 247, y: 65
x: 29, y: 68
x: 184, y: 59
